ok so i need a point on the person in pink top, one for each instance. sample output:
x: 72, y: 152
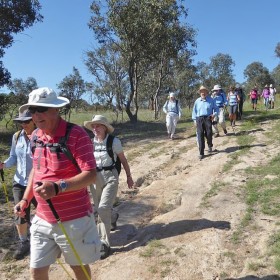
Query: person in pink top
x: 254, y: 95
x: 54, y: 177
x: 265, y: 96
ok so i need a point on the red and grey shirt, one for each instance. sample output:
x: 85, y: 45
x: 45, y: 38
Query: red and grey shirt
x: 49, y: 166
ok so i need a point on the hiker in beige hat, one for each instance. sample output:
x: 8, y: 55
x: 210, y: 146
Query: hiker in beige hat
x: 109, y: 155
x: 204, y: 111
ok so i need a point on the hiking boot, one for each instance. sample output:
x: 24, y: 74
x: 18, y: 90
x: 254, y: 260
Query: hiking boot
x: 105, y: 251
x: 210, y: 150
x: 216, y: 135
x: 22, y: 250
x: 114, y: 224
x: 225, y: 131
x: 200, y: 157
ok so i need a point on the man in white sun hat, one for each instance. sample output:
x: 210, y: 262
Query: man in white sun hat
x: 221, y: 101
x: 55, y: 179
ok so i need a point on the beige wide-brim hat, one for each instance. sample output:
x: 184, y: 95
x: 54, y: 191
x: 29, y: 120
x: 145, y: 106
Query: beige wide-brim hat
x: 44, y: 97
x: 203, y: 88
x: 23, y: 116
x: 99, y: 119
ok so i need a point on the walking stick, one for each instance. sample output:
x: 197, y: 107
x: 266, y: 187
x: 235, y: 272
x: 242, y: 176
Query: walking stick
x: 6, y: 192
x: 67, y: 237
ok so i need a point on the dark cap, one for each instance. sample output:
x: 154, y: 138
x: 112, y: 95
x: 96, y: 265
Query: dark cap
x: 23, y: 116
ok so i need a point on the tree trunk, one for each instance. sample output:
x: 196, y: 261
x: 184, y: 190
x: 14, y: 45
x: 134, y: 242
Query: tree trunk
x: 133, y: 92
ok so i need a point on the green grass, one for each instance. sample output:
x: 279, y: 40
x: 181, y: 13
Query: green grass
x: 153, y: 248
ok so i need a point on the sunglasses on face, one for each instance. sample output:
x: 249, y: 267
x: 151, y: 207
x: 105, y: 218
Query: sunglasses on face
x: 33, y: 110
x: 24, y: 122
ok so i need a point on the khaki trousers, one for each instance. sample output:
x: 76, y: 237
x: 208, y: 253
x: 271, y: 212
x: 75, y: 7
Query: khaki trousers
x: 104, y: 193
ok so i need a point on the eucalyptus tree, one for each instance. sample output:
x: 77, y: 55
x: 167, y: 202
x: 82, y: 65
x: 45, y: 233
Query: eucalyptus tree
x: 15, y: 16
x: 19, y: 86
x: 221, y: 67
x: 275, y: 74
x: 186, y: 80
x: 204, y: 74
x: 277, y: 50
x: 218, y: 71
x: 73, y: 87
x: 142, y: 32
x: 257, y: 75
x: 107, y: 67
x: 19, y: 91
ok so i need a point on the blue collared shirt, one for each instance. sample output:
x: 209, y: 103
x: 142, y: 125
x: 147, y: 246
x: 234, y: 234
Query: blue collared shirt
x: 221, y: 100
x: 21, y: 156
x: 205, y: 107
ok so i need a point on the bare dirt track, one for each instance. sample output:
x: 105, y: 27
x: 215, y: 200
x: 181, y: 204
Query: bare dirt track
x: 176, y: 225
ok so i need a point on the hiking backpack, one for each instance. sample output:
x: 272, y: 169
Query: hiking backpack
x: 57, y: 147
x: 177, y: 108
x: 109, y: 148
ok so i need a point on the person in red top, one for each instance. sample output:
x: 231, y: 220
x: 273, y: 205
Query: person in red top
x: 55, y: 177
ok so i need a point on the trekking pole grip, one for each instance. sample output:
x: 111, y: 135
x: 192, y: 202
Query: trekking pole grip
x: 2, y: 174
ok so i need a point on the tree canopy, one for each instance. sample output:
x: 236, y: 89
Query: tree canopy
x: 147, y: 33
x: 15, y: 16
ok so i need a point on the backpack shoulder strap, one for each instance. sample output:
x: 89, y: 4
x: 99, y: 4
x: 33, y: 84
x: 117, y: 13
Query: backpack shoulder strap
x: 62, y: 143
x: 33, y: 141
x: 109, y: 146
x: 17, y: 134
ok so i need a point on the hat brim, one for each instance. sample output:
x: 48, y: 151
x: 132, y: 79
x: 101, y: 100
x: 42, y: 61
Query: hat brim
x: 203, y: 90
x: 22, y: 118
x: 88, y: 125
x: 59, y: 103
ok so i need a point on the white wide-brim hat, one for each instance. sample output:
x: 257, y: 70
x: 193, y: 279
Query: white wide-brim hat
x: 23, y: 116
x: 216, y: 87
x: 99, y: 119
x: 44, y: 97
x: 171, y: 94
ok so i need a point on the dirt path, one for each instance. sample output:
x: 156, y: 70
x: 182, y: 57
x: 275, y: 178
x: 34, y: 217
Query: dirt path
x: 192, y: 221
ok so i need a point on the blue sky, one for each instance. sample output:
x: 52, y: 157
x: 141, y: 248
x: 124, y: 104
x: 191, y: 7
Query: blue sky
x: 247, y: 30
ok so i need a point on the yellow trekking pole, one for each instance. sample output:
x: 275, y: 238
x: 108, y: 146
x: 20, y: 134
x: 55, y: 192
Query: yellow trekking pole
x: 6, y: 192
x: 67, y: 238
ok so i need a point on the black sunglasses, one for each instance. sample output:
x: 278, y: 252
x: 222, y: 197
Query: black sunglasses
x: 33, y: 110
x: 24, y: 122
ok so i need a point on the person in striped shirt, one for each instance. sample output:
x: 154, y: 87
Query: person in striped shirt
x: 233, y: 99
x: 55, y: 177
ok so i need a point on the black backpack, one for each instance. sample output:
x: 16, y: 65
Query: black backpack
x: 109, y: 148
x: 57, y: 147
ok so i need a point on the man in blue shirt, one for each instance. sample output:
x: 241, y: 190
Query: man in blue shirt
x: 220, y: 99
x: 204, y: 111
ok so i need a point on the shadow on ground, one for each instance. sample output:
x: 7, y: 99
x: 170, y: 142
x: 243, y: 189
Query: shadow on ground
x: 251, y: 277
x: 162, y: 231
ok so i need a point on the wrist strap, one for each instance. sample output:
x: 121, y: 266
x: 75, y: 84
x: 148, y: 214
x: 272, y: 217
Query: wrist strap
x: 26, y: 200
x: 56, y: 188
